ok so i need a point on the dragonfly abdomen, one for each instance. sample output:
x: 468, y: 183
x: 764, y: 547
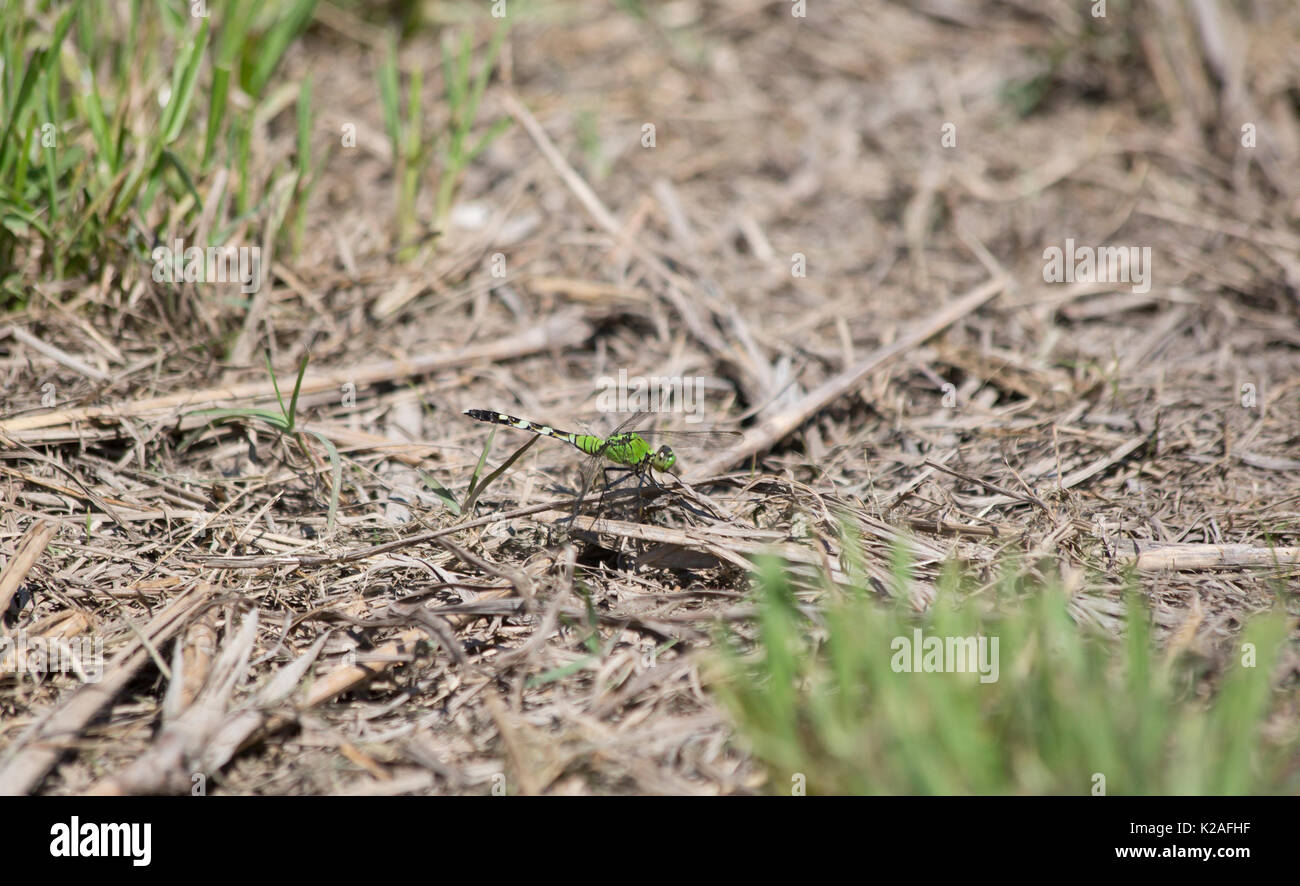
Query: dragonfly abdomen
x: 523, y: 424
x: 588, y: 443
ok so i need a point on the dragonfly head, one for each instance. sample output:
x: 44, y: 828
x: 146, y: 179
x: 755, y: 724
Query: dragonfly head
x: 663, y: 459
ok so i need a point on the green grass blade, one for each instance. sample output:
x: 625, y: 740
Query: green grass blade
x: 282, y: 34
x: 485, y: 70
x: 94, y: 111
x: 187, y: 180
x: 25, y: 216
x: 216, y: 110
x: 304, y: 130
x: 286, y: 417
x: 336, y: 475
x: 19, y: 109
x: 388, y: 92
x: 220, y: 414
x: 184, y: 78
x: 297, y: 387
x: 442, y: 492
x: 475, y: 491
x: 494, y: 131
x: 560, y: 672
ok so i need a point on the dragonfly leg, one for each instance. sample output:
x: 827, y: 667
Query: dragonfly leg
x: 586, y: 487
x: 626, y: 471
x: 640, y: 502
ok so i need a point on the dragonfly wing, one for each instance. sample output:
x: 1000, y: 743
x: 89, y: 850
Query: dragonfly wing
x: 588, y: 474
x: 683, y: 437
x: 631, y: 423
x: 693, y: 438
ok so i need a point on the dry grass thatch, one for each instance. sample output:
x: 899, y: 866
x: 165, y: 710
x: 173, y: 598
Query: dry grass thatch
x: 921, y: 381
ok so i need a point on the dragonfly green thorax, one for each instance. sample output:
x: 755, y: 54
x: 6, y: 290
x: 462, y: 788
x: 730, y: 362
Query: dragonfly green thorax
x: 633, y: 450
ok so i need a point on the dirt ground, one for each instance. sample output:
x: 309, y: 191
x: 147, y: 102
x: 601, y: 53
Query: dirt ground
x: 840, y: 227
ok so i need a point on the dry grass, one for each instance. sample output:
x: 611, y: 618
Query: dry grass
x: 1089, y: 429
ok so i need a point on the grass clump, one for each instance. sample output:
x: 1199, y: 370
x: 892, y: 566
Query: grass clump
x: 837, y: 705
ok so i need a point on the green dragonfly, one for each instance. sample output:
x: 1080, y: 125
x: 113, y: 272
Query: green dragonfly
x: 626, y: 448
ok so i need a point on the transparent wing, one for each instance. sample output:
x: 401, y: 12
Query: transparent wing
x: 692, y: 438
x: 631, y: 423
x: 681, y: 437
x: 588, y: 474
